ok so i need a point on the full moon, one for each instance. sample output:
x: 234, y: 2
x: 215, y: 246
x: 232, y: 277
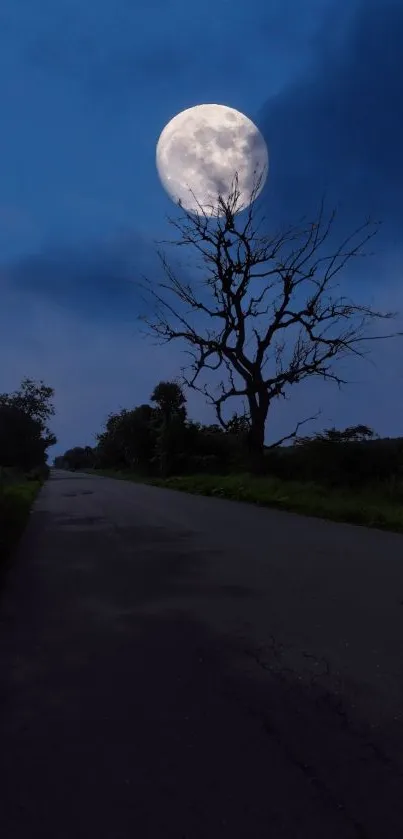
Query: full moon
x: 200, y: 150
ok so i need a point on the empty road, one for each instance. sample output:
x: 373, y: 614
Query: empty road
x: 180, y: 667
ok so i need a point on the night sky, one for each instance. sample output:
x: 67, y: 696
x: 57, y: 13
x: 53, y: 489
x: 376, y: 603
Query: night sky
x: 86, y: 89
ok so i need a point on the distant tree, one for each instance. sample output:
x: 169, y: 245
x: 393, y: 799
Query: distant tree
x: 109, y: 452
x: 257, y: 290
x: 129, y: 439
x: 354, y: 433
x: 238, y: 424
x: 349, y: 456
x: 136, y: 434
x: 78, y: 457
x: 35, y: 400
x: 171, y: 425
x: 170, y: 400
x: 59, y: 462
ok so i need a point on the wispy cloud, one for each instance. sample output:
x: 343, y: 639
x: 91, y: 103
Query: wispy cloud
x: 339, y: 127
x: 98, y: 279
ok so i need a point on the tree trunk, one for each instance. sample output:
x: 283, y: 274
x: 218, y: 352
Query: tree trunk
x: 258, y: 416
x: 255, y: 450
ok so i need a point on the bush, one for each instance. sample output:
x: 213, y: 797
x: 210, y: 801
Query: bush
x: 10, y: 475
x: 15, y: 503
x: 21, y: 441
x: 202, y: 463
x: 353, y: 464
x: 39, y: 473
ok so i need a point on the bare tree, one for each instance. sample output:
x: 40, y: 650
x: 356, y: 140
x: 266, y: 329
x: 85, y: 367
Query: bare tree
x: 249, y: 295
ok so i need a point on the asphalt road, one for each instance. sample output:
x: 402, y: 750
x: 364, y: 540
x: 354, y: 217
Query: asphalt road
x: 181, y: 667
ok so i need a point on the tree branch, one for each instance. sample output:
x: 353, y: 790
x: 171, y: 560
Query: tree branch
x: 293, y: 433
x: 250, y: 290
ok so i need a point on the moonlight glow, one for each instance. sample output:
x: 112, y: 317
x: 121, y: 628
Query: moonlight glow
x: 200, y: 150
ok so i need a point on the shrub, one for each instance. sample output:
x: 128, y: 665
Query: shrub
x: 15, y: 503
x: 39, y: 473
x: 10, y: 475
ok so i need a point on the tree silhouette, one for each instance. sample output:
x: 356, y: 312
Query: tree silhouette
x: 34, y: 400
x: 260, y: 296
x: 171, y: 418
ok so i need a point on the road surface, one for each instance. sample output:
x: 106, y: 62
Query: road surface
x: 180, y: 667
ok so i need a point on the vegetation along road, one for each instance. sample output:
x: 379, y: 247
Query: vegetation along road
x: 182, y: 666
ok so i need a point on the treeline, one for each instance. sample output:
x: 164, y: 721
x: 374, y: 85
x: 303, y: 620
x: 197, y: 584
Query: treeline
x: 160, y: 440
x: 24, y: 434
x: 24, y: 440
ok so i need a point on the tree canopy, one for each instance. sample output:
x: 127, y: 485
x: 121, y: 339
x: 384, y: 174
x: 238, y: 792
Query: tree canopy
x: 24, y: 434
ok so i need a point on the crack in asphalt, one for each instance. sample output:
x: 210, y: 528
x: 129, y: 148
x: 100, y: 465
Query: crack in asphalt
x: 330, y: 703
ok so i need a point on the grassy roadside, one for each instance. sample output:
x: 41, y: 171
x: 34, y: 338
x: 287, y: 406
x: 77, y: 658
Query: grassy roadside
x: 16, y: 499
x: 371, y: 507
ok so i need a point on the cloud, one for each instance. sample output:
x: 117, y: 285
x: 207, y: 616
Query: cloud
x: 69, y: 316
x: 339, y: 127
x: 97, y: 279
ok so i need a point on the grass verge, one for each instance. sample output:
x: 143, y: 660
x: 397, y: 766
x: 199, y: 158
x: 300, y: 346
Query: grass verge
x: 16, y: 500
x: 371, y: 507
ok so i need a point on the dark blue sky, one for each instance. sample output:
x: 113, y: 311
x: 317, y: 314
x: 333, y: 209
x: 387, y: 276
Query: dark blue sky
x: 85, y: 90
